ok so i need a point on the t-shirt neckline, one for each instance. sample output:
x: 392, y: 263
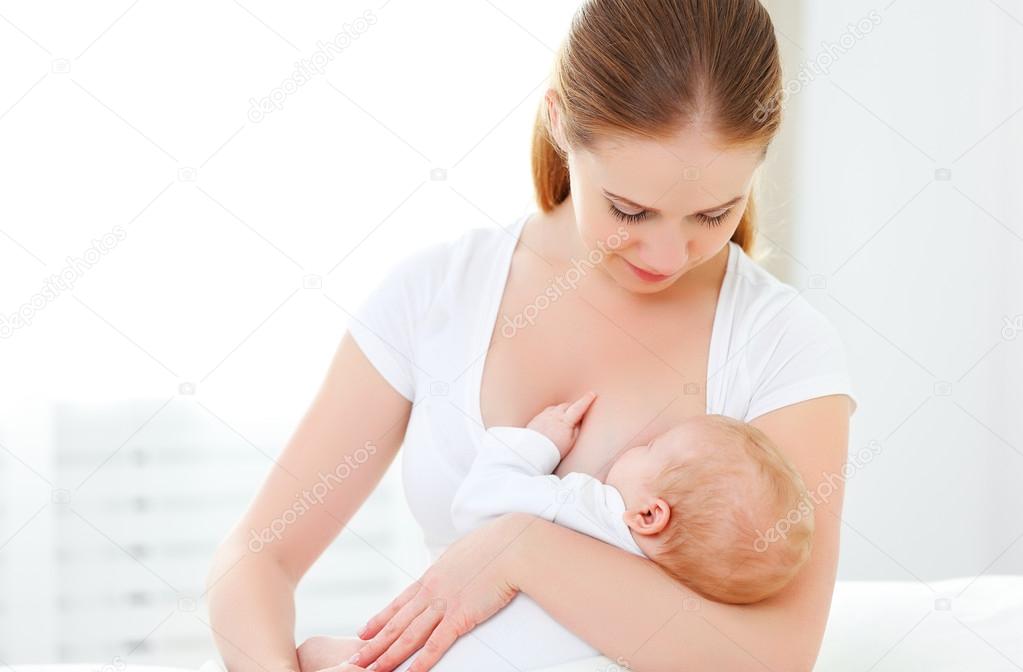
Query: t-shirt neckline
x: 720, y: 329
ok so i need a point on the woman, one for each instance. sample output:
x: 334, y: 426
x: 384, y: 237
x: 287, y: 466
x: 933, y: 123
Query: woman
x: 632, y: 280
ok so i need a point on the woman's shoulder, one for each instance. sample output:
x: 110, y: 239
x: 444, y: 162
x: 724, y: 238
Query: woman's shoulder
x: 434, y: 290
x: 766, y: 302
x: 454, y: 255
x: 447, y: 264
x: 790, y: 349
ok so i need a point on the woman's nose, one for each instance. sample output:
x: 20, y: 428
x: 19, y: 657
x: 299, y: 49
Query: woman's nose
x: 665, y: 249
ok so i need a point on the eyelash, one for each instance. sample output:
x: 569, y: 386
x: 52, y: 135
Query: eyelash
x: 632, y: 219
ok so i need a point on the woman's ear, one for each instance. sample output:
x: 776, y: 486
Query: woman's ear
x: 554, y: 113
x: 650, y: 518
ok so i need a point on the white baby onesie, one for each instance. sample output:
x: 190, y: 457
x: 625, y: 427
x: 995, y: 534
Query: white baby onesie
x: 512, y: 473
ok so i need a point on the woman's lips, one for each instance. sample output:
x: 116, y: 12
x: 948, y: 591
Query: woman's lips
x: 646, y: 275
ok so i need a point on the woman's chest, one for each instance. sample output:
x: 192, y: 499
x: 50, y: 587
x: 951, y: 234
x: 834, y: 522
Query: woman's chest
x: 648, y: 372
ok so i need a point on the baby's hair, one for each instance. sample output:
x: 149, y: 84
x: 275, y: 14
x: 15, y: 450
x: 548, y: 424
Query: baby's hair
x: 725, y: 537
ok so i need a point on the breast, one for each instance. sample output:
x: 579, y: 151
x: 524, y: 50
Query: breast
x: 644, y: 385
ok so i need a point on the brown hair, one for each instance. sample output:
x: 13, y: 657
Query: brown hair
x: 729, y: 503
x: 651, y: 67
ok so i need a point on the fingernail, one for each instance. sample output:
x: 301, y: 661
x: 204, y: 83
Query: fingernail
x: 362, y: 633
x: 373, y: 666
x: 354, y: 658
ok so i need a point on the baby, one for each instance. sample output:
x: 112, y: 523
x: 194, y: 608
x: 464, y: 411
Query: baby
x: 711, y: 501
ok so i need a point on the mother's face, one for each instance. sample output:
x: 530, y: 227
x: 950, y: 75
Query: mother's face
x: 680, y: 201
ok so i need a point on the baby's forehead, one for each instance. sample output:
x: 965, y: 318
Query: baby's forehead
x: 698, y: 425
x: 699, y: 433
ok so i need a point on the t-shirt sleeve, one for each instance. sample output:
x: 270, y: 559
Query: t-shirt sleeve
x: 800, y: 355
x: 385, y: 323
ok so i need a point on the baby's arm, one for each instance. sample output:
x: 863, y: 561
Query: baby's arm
x: 511, y: 472
x: 512, y: 468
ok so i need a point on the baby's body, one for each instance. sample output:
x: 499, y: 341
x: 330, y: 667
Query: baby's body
x: 701, y: 500
x: 712, y: 500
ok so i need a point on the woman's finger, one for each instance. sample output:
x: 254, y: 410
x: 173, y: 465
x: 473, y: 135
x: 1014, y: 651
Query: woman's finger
x: 415, y: 634
x: 442, y: 639
x: 374, y: 624
x: 575, y: 412
x: 394, y: 628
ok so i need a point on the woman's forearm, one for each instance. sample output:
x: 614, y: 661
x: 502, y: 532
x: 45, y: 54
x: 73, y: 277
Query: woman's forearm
x: 627, y: 608
x: 252, y: 612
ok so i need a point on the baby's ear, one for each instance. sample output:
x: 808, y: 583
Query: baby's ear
x: 649, y: 518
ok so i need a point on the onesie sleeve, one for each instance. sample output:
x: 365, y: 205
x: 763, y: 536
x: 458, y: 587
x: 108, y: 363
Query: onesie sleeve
x: 799, y: 355
x: 384, y: 324
x: 510, y: 473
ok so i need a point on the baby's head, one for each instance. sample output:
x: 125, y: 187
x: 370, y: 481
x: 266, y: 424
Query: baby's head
x: 712, y: 501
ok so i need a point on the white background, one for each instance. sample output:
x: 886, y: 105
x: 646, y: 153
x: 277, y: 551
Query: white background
x: 140, y: 409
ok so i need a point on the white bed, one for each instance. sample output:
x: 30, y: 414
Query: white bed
x: 880, y: 626
x: 953, y: 625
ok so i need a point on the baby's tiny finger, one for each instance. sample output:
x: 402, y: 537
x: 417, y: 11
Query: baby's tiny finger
x: 578, y: 408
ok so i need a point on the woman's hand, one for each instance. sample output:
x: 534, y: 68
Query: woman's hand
x: 469, y: 583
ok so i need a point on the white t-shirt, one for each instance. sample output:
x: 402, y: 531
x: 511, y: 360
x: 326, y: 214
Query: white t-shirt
x: 426, y: 328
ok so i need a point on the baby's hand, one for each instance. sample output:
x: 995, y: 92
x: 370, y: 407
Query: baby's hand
x: 560, y: 423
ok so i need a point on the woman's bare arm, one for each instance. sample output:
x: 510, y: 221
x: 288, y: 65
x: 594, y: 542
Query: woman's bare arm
x: 624, y: 605
x: 335, y: 458
x: 651, y: 623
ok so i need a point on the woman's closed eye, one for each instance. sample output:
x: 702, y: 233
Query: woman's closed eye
x: 709, y: 220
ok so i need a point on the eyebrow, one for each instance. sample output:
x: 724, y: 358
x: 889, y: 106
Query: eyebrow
x: 655, y: 211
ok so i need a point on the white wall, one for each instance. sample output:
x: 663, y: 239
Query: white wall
x: 235, y: 243
x: 919, y: 272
